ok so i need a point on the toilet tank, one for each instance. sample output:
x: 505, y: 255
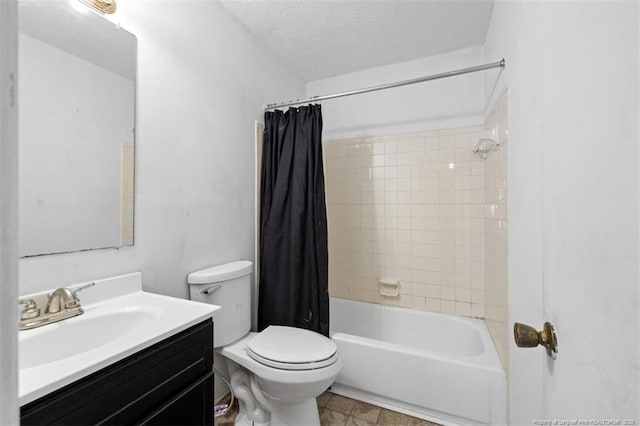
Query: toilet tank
x: 228, y: 286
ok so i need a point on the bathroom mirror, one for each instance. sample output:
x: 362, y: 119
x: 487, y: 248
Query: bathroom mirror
x: 76, y: 129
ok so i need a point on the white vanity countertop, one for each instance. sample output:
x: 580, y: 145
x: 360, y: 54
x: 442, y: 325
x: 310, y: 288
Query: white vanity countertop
x: 119, y: 320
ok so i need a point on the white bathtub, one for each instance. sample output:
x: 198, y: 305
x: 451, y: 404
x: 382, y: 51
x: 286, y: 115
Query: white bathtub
x: 437, y: 367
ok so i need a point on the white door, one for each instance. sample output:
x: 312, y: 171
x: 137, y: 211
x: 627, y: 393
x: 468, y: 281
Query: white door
x: 587, y: 277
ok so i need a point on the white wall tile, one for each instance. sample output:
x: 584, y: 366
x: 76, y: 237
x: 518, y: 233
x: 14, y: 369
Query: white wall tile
x: 403, y: 207
x: 493, y: 268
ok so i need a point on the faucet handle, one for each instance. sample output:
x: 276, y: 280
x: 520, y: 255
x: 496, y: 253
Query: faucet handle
x: 78, y: 289
x: 30, y: 310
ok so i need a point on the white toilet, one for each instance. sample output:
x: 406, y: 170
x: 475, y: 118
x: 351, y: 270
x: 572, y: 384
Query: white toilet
x: 275, y: 374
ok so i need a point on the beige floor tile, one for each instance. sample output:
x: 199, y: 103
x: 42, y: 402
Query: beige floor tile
x: 354, y: 421
x: 364, y: 411
x: 332, y: 418
x: 391, y: 418
x: 323, y: 399
x: 340, y: 404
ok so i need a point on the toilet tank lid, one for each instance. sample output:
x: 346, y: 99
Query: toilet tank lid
x: 225, y: 272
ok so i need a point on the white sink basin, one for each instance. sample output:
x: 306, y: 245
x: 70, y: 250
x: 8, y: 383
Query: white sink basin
x: 75, y: 336
x: 119, y: 320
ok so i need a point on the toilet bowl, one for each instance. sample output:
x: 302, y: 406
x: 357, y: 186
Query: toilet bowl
x: 286, y: 391
x: 275, y: 374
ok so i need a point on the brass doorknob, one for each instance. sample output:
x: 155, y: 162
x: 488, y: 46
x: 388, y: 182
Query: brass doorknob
x: 527, y: 337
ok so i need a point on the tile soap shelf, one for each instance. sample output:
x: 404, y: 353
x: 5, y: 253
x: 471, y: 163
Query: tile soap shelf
x: 389, y: 287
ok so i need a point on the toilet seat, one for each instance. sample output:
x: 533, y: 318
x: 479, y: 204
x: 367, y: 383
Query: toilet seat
x: 290, y: 348
x: 293, y: 366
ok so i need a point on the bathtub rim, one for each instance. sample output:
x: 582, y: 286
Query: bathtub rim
x: 461, y: 361
x: 488, y: 359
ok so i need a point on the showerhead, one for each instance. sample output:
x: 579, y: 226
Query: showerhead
x: 484, y: 145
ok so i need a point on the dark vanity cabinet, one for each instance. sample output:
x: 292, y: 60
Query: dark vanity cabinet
x: 169, y: 383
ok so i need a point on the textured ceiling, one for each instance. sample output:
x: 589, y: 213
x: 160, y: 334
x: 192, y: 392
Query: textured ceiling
x: 324, y: 38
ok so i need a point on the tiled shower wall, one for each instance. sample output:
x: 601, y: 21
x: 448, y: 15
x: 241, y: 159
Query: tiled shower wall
x: 495, y: 227
x: 408, y: 208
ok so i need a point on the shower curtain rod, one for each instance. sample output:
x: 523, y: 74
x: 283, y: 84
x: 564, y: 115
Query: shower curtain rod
x: 499, y: 64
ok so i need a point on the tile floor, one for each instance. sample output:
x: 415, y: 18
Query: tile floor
x: 336, y: 410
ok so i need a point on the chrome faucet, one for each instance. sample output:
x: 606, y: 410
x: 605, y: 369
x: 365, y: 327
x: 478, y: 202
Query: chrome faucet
x: 62, y: 303
x: 61, y: 299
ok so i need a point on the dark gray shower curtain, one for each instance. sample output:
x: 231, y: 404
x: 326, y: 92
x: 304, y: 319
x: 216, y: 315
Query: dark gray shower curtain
x: 293, y: 222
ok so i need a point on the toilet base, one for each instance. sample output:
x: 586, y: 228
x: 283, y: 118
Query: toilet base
x: 301, y: 413
x: 258, y: 409
x: 243, y: 420
x: 296, y: 414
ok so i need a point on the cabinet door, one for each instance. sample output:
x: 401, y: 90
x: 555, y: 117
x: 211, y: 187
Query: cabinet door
x: 191, y: 407
x: 128, y: 391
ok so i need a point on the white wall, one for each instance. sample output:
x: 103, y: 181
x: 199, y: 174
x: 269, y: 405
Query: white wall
x: 70, y: 150
x: 9, y: 414
x: 448, y: 103
x: 202, y: 81
x: 572, y: 74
